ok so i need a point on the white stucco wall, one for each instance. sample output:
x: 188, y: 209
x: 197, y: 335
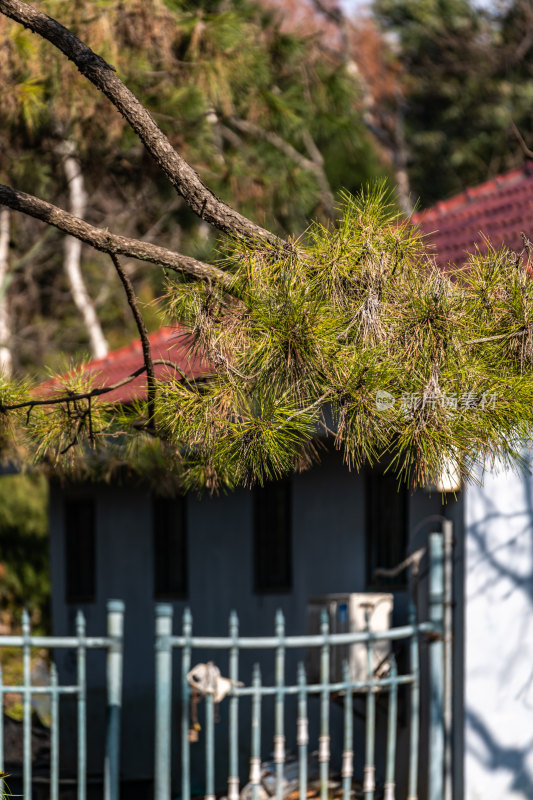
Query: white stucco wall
x: 498, y: 736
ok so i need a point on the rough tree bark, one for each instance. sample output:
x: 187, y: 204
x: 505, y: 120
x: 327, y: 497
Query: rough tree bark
x: 72, y: 252
x: 6, y: 361
x: 108, y: 242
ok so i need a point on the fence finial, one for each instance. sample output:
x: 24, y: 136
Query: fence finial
x: 80, y: 623
x: 324, y: 622
x: 25, y: 622
x: 116, y: 606
x: 186, y: 622
x: 233, y: 624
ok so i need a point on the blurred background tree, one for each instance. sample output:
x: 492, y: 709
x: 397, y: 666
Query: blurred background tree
x: 468, y: 88
x: 24, y: 576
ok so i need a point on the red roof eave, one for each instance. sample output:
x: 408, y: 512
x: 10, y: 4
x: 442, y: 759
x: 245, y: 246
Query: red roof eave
x: 497, y: 210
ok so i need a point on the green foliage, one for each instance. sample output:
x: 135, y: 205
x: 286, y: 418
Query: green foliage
x: 24, y: 547
x: 468, y: 77
x: 355, y: 311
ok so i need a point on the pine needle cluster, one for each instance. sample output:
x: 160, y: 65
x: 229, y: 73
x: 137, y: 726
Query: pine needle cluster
x: 350, y: 335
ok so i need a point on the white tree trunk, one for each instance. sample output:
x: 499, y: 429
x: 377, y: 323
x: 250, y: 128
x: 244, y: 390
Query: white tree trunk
x: 6, y: 362
x: 72, y: 252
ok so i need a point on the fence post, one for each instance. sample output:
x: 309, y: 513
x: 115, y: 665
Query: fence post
x: 347, y: 755
x: 115, y: 630
x: 324, y: 740
x: 26, y: 701
x: 279, y: 709
x: 233, y: 779
x: 392, y: 722
x: 54, y: 734
x: 186, y: 628
x: 255, y: 760
x: 369, y: 778
x: 302, y: 736
x: 412, y: 792
x: 447, y: 532
x: 82, y: 705
x: 2, y: 787
x: 163, y: 701
x: 436, y: 670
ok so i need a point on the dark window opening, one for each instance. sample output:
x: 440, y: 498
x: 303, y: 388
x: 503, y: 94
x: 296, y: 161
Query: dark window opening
x: 170, y: 548
x: 80, y: 549
x: 386, y: 529
x: 273, y: 538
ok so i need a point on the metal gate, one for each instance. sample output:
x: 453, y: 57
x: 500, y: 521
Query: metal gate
x: 213, y: 688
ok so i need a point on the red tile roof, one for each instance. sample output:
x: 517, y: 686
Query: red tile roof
x: 170, y: 344
x: 499, y: 209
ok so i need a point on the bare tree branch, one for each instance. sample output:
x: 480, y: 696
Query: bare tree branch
x: 332, y: 12
x: 143, y: 334
x: 314, y: 164
x: 320, y: 172
x: 183, y: 177
x: 526, y: 150
x: 108, y: 242
x: 391, y: 137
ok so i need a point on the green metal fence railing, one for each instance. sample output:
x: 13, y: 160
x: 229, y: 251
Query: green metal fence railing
x: 211, y: 689
x: 80, y: 644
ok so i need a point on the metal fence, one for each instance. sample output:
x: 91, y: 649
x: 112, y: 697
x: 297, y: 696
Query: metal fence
x: 212, y: 687
x: 80, y: 644
x: 371, y: 690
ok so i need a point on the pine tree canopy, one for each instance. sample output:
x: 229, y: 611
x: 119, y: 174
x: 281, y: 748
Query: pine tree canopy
x: 468, y: 88
x: 345, y: 333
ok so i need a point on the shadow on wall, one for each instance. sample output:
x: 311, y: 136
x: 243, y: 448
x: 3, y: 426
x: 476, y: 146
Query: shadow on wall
x: 494, y: 757
x: 499, y: 637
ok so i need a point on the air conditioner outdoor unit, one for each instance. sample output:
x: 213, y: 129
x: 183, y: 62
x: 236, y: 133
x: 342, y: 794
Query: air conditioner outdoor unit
x: 346, y: 614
